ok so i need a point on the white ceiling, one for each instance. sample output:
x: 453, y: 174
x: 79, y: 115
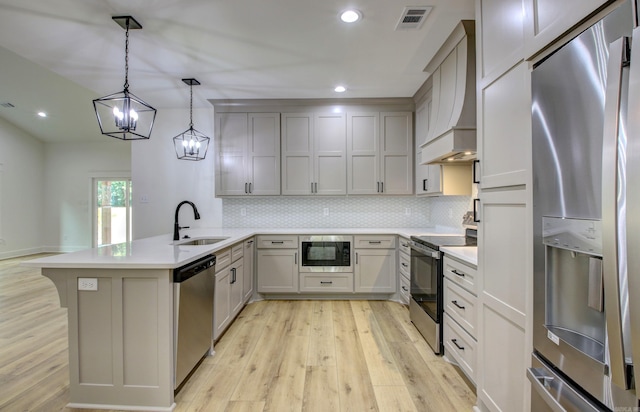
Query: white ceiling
x: 59, y: 55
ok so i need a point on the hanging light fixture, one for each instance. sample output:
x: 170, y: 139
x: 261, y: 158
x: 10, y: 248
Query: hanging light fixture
x: 123, y: 115
x: 191, y: 144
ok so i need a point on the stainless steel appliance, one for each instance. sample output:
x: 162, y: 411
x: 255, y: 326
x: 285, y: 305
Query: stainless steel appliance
x: 193, y: 289
x: 585, y: 165
x: 426, y: 303
x: 325, y: 253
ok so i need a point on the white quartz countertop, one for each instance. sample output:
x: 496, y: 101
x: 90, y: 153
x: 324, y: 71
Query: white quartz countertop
x: 468, y: 254
x: 160, y: 252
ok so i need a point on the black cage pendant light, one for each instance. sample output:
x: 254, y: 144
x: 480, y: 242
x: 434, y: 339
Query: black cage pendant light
x: 191, y: 144
x: 123, y: 115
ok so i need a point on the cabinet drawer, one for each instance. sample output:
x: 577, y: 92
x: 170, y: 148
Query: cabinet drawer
x: 223, y: 258
x: 403, y: 245
x: 237, y: 251
x: 461, y: 306
x: 277, y: 242
x: 460, y: 347
x: 461, y: 274
x: 404, y: 265
x: 318, y: 283
x: 375, y: 242
x: 404, y: 290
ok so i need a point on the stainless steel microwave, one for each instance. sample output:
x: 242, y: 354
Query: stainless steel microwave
x: 325, y: 253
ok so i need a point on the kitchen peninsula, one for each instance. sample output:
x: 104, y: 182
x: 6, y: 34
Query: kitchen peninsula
x: 121, y: 336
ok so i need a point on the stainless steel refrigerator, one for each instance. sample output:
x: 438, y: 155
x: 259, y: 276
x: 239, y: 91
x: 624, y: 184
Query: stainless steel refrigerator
x: 586, y: 210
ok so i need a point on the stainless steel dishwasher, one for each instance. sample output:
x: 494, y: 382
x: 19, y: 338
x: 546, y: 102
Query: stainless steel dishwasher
x: 193, y: 287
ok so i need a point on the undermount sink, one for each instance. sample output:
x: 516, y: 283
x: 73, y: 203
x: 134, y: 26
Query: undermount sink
x: 199, y: 242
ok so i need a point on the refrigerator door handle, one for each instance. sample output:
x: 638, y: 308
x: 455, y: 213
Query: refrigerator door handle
x: 556, y: 392
x: 539, y: 382
x: 633, y: 196
x: 610, y: 264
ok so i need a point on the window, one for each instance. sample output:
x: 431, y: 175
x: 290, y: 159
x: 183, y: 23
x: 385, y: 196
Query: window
x: 112, y: 211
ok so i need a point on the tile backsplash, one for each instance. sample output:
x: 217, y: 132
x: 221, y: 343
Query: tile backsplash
x: 319, y: 212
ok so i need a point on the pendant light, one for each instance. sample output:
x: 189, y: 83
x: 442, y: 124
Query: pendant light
x: 123, y: 115
x: 191, y: 144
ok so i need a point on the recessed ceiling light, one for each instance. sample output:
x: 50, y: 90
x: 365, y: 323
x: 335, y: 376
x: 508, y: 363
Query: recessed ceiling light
x: 42, y: 114
x: 350, y: 16
x: 340, y: 89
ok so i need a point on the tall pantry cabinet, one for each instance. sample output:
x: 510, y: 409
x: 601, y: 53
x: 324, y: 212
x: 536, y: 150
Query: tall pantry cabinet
x: 509, y: 33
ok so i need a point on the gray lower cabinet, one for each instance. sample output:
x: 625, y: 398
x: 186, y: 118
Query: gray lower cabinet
x: 326, y: 282
x: 277, y: 268
x: 229, y: 294
x: 375, y: 264
x: 249, y: 266
x: 460, y: 314
x: 404, y: 269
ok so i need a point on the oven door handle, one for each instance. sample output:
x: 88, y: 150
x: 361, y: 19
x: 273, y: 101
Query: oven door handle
x: 425, y: 251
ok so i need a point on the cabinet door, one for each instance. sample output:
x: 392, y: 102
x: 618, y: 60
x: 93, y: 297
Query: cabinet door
x: 428, y: 178
x: 247, y: 282
x: 396, y: 153
x: 297, y: 153
x: 422, y: 172
x: 548, y: 19
x: 505, y: 272
x: 221, y: 302
x: 362, y: 153
x: 236, y: 296
x: 375, y: 271
x: 277, y: 271
x: 231, y: 134
x: 330, y: 159
x: 263, y: 153
x: 505, y: 139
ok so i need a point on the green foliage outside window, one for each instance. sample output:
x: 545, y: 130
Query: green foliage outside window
x: 112, y: 193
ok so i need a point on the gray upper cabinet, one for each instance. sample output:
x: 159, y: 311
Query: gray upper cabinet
x: 313, y: 154
x: 247, y: 154
x: 379, y: 153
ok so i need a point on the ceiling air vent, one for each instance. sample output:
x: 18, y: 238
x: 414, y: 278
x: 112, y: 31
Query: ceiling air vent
x: 6, y: 104
x: 412, y: 18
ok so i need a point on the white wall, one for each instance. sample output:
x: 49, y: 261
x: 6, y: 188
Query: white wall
x: 70, y: 168
x: 164, y: 181
x: 21, y: 192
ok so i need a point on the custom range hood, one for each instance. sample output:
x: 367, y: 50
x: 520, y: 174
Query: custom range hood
x: 452, y: 122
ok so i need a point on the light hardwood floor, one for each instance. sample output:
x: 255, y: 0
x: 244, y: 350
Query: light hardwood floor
x: 277, y: 356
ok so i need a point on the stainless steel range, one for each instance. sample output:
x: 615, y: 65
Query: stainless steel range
x: 426, y: 306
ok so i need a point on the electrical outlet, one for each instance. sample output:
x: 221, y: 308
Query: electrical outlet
x: 325, y: 211
x: 450, y: 213
x: 88, y: 284
x: 243, y: 211
x: 407, y: 211
x: 144, y: 198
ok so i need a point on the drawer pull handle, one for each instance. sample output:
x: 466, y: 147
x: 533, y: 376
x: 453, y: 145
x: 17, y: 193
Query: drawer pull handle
x: 375, y: 242
x: 277, y: 242
x: 329, y: 282
x: 405, y: 265
x: 455, y: 272
x: 405, y: 245
x: 455, y: 342
x: 405, y: 289
x: 455, y: 302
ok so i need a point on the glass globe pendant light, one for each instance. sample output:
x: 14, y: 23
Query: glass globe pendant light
x: 123, y: 115
x: 191, y: 144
